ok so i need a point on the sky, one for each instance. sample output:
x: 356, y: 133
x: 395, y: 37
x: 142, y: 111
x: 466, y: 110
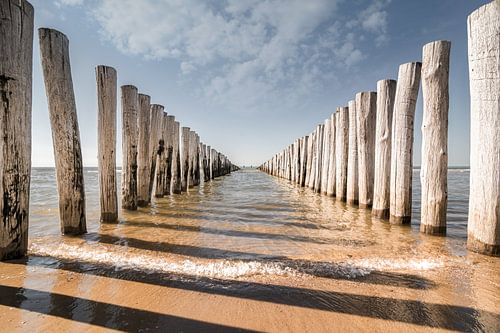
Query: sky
x: 249, y: 76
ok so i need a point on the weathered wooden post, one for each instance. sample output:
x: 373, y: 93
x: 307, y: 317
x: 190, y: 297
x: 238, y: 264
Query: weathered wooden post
x: 185, y: 133
x: 342, y: 151
x: 434, y: 167
x: 366, y: 106
x: 209, y: 163
x: 54, y: 51
x: 196, y: 161
x: 310, y: 160
x: 484, y: 56
x: 176, y: 162
x: 154, y: 143
x: 331, y: 187
x: 16, y: 58
x: 402, y: 142
x: 106, y: 137
x: 319, y: 157
x: 327, y: 140
x: 161, y: 164
x: 312, y: 169
x: 169, y: 154
x: 386, y: 92
x: 192, y: 157
x: 143, y: 156
x: 303, y: 160
x: 130, y: 107
x: 352, y: 159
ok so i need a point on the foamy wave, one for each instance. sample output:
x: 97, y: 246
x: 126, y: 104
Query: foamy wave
x: 140, y: 261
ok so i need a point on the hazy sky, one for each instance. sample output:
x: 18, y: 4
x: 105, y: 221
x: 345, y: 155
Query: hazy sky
x: 249, y: 76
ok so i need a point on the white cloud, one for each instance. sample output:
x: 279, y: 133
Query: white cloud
x: 243, y: 53
x: 60, y: 3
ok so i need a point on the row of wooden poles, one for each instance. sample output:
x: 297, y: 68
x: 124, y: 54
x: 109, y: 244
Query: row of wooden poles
x: 363, y: 153
x: 159, y: 157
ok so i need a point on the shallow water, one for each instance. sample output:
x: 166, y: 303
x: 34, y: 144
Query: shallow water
x: 250, y: 251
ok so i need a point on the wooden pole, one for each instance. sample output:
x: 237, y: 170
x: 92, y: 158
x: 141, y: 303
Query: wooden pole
x: 176, y: 162
x: 130, y: 107
x: 366, y: 106
x: 169, y: 154
x: 402, y: 142
x: 331, y: 187
x: 303, y: 160
x: 434, y: 167
x: 209, y: 162
x: 312, y: 170
x: 196, y: 161
x: 352, y: 159
x: 342, y: 151
x: 161, y: 164
x: 386, y: 92
x: 106, y: 137
x: 310, y: 160
x: 154, y: 144
x: 484, y: 199
x: 16, y: 57
x: 54, y: 51
x: 327, y: 141
x: 143, y: 156
x: 319, y: 157
x: 185, y: 157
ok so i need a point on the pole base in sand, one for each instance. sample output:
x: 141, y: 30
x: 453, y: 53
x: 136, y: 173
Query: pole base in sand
x: 352, y: 202
x: 365, y: 205
x: 73, y: 231
x: 400, y: 219
x: 381, y: 213
x: 436, y: 230
x: 109, y: 217
x: 482, y: 248
x: 142, y: 203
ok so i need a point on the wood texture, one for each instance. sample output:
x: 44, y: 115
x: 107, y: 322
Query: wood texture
x: 185, y: 133
x: 386, y: 93
x: 331, y: 186
x: 143, y: 156
x: 303, y: 164
x: 106, y: 138
x: 366, y: 108
x: 402, y: 142
x: 341, y: 152
x: 352, y: 159
x: 434, y: 165
x: 16, y: 57
x: 154, y: 144
x: 484, y: 74
x: 161, y: 164
x: 176, y: 161
x: 325, y: 164
x: 130, y: 108
x: 54, y: 51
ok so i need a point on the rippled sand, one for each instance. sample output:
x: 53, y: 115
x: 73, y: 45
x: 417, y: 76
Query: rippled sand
x: 247, y: 252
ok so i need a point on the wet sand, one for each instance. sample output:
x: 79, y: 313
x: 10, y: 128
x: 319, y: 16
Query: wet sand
x: 248, y: 252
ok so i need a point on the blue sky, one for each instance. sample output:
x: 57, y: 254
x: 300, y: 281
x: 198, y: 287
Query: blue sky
x: 250, y: 76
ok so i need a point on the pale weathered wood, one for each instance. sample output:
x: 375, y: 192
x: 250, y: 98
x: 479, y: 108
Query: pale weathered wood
x: 366, y: 107
x: 161, y: 164
x: 325, y: 164
x: 54, y: 51
x: 352, y: 159
x: 312, y: 168
x: 319, y: 157
x: 341, y: 151
x: 331, y: 187
x: 143, y: 156
x: 209, y: 162
x: 16, y: 57
x: 434, y: 165
x: 386, y: 92
x: 402, y: 142
x: 169, y: 154
x: 154, y: 143
x: 303, y: 164
x: 176, y: 161
x: 130, y: 108
x: 106, y: 138
x: 185, y: 133
x: 484, y: 73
